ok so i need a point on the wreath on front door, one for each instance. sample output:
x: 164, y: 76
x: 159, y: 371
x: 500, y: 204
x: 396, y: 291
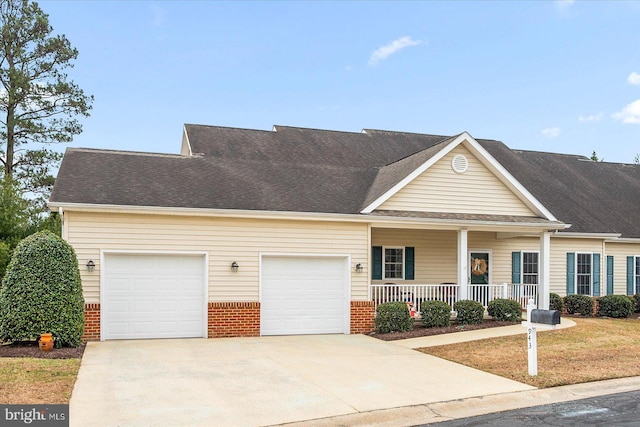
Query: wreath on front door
x: 479, y: 267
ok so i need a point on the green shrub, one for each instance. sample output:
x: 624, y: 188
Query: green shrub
x: 435, y: 314
x: 617, y: 306
x: 469, y: 312
x: 505, y: 309
x: 41, y: 292
x: 393, y: 317
x: 555, y: 302
x: 5, y: 257
x: 581, y: 304
x: 635, y: 299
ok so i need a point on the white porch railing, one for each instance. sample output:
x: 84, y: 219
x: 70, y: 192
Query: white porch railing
x: 450, y: 293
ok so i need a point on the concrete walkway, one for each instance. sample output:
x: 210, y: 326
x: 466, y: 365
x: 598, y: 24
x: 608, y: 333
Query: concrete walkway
x: 262, y: 381
x: 479, y: 334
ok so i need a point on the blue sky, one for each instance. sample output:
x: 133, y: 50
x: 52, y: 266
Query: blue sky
x: 561, y: 76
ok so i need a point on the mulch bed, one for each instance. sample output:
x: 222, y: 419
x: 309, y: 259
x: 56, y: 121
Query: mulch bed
x: 421, y: 331
x: 31, y: 349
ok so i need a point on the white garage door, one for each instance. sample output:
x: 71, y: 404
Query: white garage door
x: 153, y: 296
x: 304, y: 295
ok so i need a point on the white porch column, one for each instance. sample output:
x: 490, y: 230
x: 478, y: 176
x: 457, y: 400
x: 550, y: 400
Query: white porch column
x: 544, y: 273
x: 463, y: 263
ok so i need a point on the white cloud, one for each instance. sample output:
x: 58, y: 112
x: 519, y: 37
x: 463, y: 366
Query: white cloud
x: 630, y: 113
x: 551, y: 132
x: 564, y: 4
x: 383, y: 52
x: 634, y: 79
x: 591, y: 117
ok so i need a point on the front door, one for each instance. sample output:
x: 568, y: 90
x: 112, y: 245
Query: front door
x: 479, y: 267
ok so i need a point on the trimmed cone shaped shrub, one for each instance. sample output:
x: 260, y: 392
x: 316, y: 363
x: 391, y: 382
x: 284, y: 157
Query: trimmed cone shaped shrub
x: 41, y: 292
x: 393, y: 317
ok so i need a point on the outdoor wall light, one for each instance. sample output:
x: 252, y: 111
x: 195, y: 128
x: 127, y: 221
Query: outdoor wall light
x: 234, y: 267
x: 359, y: 268
x: 91, y: 266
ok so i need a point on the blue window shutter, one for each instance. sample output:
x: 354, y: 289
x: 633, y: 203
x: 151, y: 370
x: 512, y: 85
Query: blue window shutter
x: 409, y: 263
x: 630, y: 287
x: 515, y: 267
x: 376, y: 271
x: 571, y: 266
x: 596, y: 275
x: 609, y: 274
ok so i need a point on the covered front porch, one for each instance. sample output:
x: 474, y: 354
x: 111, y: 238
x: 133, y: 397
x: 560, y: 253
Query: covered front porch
x: 479, y: 262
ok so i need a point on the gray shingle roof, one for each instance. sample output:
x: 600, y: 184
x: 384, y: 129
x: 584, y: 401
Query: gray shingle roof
x: 595, y: 197
x: 309, y: 170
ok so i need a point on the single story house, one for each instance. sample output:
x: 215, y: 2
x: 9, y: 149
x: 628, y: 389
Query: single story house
x: 303, y: 231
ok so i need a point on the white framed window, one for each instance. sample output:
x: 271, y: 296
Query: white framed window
x: 636, y: 275
x: 393, y: 262
x: 530, y: 268
x: 584, y: 273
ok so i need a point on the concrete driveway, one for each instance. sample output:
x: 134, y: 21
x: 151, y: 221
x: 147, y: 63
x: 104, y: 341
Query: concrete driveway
x: 262, y: 381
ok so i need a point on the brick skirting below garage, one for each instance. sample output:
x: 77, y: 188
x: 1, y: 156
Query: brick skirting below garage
x: 91, y: 322
x: 234, y: 319
x: 242, y: 319
x: 362, y: 314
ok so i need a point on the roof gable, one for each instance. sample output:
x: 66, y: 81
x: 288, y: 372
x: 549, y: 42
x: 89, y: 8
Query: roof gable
x: 433, y: 155
x: 475, y: 190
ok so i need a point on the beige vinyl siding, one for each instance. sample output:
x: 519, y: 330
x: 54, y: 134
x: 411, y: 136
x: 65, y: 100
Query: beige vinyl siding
x: 435, y: 253
x: 620, y: 252
x: 440, y: 189
x: 223, y: 239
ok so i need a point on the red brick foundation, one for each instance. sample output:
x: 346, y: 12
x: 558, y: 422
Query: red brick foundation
x: 234, y: 319
x: 362, y: 314
x: 91, y: 322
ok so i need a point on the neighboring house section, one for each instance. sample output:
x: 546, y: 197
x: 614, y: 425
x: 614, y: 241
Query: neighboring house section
x: 304, y: 231
x: 622, y: 268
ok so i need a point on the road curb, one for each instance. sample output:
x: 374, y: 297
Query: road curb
x: 444, y: 411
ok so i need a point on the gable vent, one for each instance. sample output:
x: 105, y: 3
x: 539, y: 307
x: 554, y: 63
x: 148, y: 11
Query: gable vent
x: 459, y: 163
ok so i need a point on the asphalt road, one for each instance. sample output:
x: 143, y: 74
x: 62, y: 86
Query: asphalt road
x: 622, y: 409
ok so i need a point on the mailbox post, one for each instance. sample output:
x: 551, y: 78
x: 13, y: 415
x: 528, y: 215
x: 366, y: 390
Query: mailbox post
x: 537, y: 318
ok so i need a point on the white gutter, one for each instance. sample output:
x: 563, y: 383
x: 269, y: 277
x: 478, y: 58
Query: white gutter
x: 62, y: 228
x: 606, y: 236
x: 624, y: 240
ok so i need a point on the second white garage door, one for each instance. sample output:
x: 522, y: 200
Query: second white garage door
x: 304, y: 295
x: 153, y: 296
